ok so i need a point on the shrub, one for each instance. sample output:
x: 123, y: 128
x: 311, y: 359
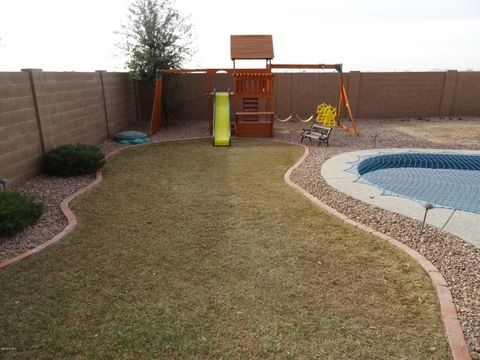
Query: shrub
x: 17, y: 211
x: 71, y: 160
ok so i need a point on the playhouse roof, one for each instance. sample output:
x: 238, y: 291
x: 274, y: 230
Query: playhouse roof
x: 250, y: 47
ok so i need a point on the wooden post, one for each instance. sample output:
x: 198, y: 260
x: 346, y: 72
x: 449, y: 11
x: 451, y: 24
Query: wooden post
x: 208, y: 74
x: 272, y: 100
x: 343, y: 101
x: 340, y: 104
x: 156, y: 117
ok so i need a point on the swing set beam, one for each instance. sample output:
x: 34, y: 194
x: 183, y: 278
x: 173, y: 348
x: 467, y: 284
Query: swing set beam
x: 306, y: 66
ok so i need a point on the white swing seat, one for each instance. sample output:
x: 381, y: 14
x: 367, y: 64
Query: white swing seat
x: 282, y: 120
x: 304, y: 120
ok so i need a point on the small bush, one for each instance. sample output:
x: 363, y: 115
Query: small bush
x: 71, y: 160
x: 17, y: 211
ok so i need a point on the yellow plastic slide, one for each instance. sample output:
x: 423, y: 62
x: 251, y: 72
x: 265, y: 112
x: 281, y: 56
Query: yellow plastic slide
x: 221, y: 119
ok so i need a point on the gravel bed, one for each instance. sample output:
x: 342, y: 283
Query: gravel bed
x: 51, y: 190
x: 457, y: 260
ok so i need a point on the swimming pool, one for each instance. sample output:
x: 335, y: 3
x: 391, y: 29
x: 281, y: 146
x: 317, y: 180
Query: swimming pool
x: 403, y: 180
x: 443, y: 179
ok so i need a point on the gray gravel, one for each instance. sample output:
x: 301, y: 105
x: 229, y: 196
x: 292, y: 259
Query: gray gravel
x: 457, y: 260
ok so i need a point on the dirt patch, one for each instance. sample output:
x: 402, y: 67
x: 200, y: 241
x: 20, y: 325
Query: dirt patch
x: 443, y: 131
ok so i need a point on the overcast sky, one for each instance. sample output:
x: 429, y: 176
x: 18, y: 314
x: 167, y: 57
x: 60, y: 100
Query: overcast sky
x: 365, y: 35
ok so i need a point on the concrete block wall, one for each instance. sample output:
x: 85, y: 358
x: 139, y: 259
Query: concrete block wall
x: 70, y: 107
x: 300, y: 93
x: 144, y: 94
x: 42, y: 110
x: 119, y: 100
x: 393, y: 95
x: 371, y: 95
x: 20, y: 141
x: 466, y: 94
x: 185, y: 95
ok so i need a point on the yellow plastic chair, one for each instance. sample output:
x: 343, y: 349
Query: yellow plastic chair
x: 330, y: 117
x: 320, y: 109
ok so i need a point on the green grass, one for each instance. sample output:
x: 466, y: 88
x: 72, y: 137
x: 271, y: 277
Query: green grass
x: 195, y: 252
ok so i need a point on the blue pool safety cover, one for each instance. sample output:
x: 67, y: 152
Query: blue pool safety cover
x: 443, y: 179
x: 131, y: 137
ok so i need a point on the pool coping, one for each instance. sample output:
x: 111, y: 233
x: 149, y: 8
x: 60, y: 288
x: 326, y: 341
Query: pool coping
x: 336, y: 172
x: 453, y: 329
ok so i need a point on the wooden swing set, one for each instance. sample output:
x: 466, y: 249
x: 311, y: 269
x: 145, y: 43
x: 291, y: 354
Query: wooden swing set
x: 253, y: 89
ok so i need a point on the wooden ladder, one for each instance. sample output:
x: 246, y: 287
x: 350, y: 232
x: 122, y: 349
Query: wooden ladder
x: 250, y: 105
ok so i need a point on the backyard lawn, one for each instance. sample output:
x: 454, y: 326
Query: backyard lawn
x: 194, y: 252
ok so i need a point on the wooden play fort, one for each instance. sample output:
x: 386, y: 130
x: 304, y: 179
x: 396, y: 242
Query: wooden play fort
x: 253, y: 101
x: 252, y: 97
